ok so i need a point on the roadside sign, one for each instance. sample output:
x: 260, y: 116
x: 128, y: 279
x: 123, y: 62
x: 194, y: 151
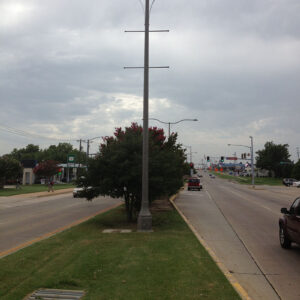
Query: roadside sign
x: 71, y: 158
x: 231, y: 158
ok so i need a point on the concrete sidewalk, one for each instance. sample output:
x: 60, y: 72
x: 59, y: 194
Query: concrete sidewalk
x: 205, y: 220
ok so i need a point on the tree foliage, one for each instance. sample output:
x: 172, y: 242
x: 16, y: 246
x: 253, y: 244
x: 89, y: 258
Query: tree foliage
x: 10, y: 169
x: 58, y: 153
x: 296, y: 170
x: 46, y: 168
x: 117, y: 170
x: 271, y: 157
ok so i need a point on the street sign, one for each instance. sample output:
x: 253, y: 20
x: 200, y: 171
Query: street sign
x: 231, y: 158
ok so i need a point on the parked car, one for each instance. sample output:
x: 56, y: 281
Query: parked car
x: 289, y: 225
x: 288, y: 181
x: 194, y: 184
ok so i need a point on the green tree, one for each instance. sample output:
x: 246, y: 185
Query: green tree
x: 46, y: 168
x: 29, y: 152
x: 10, y: 169
x: 296, y: 170
x: 58, y: 153
x: 117, y: 170
x: 271, y: 158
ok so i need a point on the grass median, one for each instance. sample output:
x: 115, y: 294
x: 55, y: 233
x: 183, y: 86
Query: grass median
x: 168, y: 263
x: 34, y: 188
x: 248, y: 179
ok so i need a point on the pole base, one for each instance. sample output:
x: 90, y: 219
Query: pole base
x: 144, y: 223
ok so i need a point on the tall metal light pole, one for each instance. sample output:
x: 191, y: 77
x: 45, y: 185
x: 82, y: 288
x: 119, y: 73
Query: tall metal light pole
x: 252, y: 158
x: 145, y: 217
x: 169, y: 123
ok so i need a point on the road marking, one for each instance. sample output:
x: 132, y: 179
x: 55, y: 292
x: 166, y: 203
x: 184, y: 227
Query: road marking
x: 240, y: 290
x: 243, y: 197
x: 49, y: 234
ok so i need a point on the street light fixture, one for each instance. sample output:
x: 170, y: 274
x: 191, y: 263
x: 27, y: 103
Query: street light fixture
x: 169, y: 123
x: 252, y: 158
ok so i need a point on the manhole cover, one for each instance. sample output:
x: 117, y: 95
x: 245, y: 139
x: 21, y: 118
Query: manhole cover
x: 52, y: 294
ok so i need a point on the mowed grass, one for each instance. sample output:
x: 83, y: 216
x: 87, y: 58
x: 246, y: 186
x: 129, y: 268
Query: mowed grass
x: 34, y: 188
x: 248, y: 180
x: 168, y: 263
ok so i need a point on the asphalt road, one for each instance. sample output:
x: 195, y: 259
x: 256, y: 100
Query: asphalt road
x: 240, y: 225
x: 23, y: 220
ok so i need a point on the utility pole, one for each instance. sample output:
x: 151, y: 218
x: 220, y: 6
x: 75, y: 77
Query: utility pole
x: 252, y: 162
x: 145, y: 217
x: 87, y: 152
x: 80, y: 149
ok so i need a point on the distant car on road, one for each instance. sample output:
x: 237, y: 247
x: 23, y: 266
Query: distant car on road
x: 289, y: 225
x: 296, y: 183
x: 194, y: 184
x: 78, y: 192
x: 288, y: 181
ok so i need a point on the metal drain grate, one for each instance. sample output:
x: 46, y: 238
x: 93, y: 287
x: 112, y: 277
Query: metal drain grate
x: 51, y: 294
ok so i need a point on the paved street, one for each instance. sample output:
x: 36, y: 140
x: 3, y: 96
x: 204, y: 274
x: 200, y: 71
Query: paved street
x: 240, y: 225
x: 23, y: 219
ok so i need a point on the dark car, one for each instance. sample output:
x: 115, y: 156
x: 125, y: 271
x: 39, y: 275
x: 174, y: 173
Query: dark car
x: 289, y: 225
x: 194, y: 184
x: 288, y: 181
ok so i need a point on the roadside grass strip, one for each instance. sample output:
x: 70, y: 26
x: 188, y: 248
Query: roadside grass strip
x: 248, y: 179
x: 34, y: 188
x: 168, y: 263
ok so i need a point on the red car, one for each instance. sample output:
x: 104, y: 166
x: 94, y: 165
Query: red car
x: 289, y: 225
x: 194, y: 184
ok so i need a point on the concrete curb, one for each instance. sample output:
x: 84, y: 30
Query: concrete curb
x: 57, y: 192
x: 42, y: 194
x: 236, y: 285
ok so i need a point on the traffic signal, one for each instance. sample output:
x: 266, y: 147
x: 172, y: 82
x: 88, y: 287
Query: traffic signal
x: 222, y: 159
x: 208, y: 159
x: 59, y: 171
x: 191, y: 165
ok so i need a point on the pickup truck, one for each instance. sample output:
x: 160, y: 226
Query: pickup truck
x: 194, y: 184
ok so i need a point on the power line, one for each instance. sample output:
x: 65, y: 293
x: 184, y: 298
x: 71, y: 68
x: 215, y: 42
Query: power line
x: 152, y: 5
x: 142, y: 5
x: 30, y: 134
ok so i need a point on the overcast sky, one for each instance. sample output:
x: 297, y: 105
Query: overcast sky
x: 234, y: 65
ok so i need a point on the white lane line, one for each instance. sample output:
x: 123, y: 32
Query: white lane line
x: 253, y: 202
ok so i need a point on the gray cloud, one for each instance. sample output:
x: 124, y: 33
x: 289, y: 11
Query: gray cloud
x: 234, y: 65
